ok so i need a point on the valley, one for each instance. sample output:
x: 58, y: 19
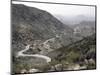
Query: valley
x: 42, y: 43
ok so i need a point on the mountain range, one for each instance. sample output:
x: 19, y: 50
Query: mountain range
x: 50, y: 38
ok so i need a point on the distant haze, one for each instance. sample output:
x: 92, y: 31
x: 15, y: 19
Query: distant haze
x: 72, y: 20
x: 65, y: 12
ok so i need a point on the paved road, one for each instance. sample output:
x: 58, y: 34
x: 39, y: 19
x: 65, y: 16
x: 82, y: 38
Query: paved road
x: 20, y: 53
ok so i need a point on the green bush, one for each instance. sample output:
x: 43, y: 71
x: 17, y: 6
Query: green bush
x: 73, y: 56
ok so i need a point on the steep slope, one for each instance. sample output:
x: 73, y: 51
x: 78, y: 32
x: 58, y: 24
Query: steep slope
x: 83, y: 46
x: 29, y: 24
x: 84, y: 28
x: 35, y: 27
x: 45, y: 36
x: 82, y: 52
x: 40, y: 22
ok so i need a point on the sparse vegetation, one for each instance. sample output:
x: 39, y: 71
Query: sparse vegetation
x: 50, y: 38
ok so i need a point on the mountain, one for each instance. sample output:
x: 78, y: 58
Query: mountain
x: 38, y: 36
x: 39, y: 29
x: 30, y: 24
x: 84, y: 28
x: 82, y: 52
x: 72, y: 20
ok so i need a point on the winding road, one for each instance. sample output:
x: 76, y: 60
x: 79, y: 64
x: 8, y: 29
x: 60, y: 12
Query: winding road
x: 21, y: 53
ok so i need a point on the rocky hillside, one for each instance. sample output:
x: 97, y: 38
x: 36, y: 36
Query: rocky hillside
x: 84, y: 28
x: 81, y: 53
x: 30, y: 24
x: 35, y: 23
x: 47, y: 37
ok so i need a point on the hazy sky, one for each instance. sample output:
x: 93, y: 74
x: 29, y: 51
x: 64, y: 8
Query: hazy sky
x: 64, y: 10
